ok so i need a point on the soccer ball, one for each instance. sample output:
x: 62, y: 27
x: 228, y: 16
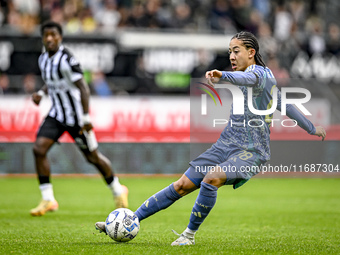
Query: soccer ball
x: 122, y: 225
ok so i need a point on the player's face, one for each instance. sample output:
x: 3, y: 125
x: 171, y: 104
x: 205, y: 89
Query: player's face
x: 240, y: 57
x: 51, y: 39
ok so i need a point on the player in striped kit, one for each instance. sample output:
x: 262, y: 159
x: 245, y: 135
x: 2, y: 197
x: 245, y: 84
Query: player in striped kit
x: 70, y: 95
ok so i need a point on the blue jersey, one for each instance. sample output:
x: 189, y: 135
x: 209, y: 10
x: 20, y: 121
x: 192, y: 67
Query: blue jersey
x: 246, y: 131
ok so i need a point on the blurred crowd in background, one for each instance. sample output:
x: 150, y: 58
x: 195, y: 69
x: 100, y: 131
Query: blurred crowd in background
x: 283, y: 27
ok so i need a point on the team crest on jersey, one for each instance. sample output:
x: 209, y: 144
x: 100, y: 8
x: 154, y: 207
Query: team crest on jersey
x: 73, y: 61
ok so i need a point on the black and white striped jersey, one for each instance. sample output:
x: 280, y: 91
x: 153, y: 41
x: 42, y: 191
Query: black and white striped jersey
x: 59, y: 73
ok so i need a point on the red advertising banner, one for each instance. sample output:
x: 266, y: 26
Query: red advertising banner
x: 115, y: 119
x: 137, y: 119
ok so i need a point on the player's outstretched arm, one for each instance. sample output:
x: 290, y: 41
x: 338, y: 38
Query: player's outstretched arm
x: 37, y: 96
x: 239, y: 78
x: 320, y: 131
x: 302, y: 121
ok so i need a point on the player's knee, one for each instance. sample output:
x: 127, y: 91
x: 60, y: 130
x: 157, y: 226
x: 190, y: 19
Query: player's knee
x: 38, y: 151
x: 215, y: 177
x: 183, y: 187
x: 92, y: 159
x: 217, y: 182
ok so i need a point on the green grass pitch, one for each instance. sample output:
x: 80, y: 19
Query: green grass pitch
x: 265, y: 216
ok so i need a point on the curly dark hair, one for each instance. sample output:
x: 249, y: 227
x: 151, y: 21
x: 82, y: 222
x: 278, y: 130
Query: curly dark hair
x: 51, y: 24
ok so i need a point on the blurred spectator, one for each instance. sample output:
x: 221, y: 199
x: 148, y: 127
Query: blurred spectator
x: 205, y: 58
x: 72, y: 21
x: 280, y: 73
x: 5, y: 85
x: 145, y: 15
x: 100, y: 85
x: 316, y: 38
x: 47, y: 7
x: 88, y: 23
x: 255, y: 22
x: 263, y: 7
x: 108, y: 16
x: 57, y: 15
x: 241, y: 12
x: 220, y: 18
x: 227, y: 16
x: 298, y: 11
x: 289, y: 49
x: 151, y: 13
x: 29, y: 84
x: 284, y: 27
x: 283, y: 23
x: 2, y: 16
x: 13, y: 17
x: 137, y: 17
x: 268, y: 43
x: 165, y: 15
x: 31, y: 7
x: 24, y: 15
x: 182, y: 17
x: 333, y: 39
x: 28, y: 23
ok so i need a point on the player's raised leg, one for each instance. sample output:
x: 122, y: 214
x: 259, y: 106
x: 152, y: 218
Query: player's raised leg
x: 48, y: 202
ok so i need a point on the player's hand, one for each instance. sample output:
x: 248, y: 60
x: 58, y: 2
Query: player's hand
x: 320, y: 131
x: 213, y: 76
x: 36, y: 98
x: 86, y: 128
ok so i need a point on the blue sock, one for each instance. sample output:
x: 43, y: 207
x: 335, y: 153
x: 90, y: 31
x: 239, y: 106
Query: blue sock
x: 205, y: 201
x: 157, y: 202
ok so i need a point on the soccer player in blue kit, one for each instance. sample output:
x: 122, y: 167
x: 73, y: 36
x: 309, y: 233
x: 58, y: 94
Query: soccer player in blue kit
x: 239, y: 146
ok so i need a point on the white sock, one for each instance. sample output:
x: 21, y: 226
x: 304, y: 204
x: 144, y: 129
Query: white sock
x: 189, y: 233
x: 116, y: 187
x: 47, y: 191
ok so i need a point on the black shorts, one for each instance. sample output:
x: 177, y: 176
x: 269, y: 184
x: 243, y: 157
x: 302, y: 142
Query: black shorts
x: 53, y: 129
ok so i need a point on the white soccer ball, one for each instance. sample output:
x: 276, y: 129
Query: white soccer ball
x: 122, y: 225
